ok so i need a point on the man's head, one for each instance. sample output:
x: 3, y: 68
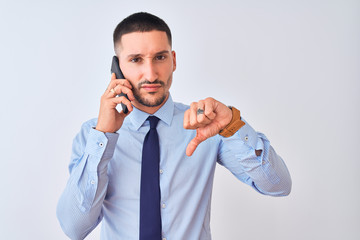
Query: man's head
x: 142, y: 43
x: 140, y: 22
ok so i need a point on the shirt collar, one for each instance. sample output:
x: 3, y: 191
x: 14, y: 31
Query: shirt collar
x: 165, y: 114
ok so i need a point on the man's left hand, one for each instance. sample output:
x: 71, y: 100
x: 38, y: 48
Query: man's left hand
x: 208, y: 117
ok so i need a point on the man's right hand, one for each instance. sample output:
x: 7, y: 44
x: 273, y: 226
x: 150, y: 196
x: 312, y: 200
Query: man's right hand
x: 110, y: 119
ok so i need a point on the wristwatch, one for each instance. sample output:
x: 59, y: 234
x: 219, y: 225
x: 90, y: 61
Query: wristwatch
x: 234, y: 125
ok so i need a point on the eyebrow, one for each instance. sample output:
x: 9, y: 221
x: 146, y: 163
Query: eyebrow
x: 140, y: 55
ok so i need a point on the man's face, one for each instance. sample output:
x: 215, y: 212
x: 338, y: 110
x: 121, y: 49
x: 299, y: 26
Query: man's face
x: 148, y: 63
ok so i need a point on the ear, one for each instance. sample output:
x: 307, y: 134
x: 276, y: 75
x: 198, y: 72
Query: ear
x: 174, y: 59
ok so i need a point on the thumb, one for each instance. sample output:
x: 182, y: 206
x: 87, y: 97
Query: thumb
x: 193, y: 144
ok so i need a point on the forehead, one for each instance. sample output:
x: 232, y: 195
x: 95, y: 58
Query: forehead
x: 144, y: 43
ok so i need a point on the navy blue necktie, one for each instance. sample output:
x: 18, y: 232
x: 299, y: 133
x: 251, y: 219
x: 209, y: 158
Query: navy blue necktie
x: 150, y: 218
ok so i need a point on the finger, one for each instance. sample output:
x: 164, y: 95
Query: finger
x: 122, y: 89
x: 186, y: 122
x: 193, y: 144
x: 123, y: 100
x: 118, y: 89
x: 200, y: 108
x: 200, y: 113
x: 113, y: 78
x: 203, y: 120
x: 187, y: 125
x: 121, y: 82
x: 209, y: 110
x: 110, y: 93
x: 193, y: 114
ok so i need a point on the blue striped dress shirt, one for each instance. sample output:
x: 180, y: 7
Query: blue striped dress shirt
x: 105, y: 168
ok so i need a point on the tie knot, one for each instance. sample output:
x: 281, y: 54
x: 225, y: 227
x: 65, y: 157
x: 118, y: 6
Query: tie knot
x: 153, y: 121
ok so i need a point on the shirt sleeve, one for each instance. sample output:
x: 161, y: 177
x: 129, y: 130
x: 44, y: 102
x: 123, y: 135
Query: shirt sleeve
x: 266, y: 173
x: 79, y: 207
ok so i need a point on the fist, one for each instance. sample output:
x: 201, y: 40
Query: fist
x: 208, y: 117
x: 110, y: 120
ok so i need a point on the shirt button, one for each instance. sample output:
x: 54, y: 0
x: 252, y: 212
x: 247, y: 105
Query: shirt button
x: 163, y: 238
x: 263, y: 161
x: 163, y: 205
x: 246, y: 138
x: 161, y: 171
x: 92, y: 182
x: 101, y: 144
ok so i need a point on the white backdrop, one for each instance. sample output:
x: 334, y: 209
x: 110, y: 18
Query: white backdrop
x: 291, y: 67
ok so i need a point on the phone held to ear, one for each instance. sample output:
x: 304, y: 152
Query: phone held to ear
x: 115, y: 68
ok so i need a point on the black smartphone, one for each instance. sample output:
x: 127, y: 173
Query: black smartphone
x: 115, y: 68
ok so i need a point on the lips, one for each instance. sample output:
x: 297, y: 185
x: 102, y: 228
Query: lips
x: 151, y: 87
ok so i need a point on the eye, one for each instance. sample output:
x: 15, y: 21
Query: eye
x: 160, y: 57
x: 135, y: 60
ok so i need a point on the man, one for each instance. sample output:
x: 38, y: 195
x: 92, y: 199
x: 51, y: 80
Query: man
x: 109, y: 165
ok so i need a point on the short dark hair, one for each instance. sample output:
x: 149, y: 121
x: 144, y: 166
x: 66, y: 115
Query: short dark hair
x: 140, y: 22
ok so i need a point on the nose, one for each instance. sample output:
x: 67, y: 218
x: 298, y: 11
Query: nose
x: 150, y: 71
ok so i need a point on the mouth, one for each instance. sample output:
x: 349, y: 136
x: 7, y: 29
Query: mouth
x: 151, y: 87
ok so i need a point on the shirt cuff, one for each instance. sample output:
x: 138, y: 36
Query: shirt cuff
x: 248, y: 135
x: 100, y: 146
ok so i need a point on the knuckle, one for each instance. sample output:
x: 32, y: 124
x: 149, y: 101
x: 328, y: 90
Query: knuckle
x: 209, y: 99
x: 193, y: 122
x: 122, y: 98
x: 207, y: 111
x: 125, y: 90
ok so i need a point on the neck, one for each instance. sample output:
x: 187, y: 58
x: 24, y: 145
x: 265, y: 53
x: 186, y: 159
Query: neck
x: 149, y: 110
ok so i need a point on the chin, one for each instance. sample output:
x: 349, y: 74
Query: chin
x: 152, y: 100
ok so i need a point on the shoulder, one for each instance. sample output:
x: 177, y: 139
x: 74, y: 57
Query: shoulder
x: 180, y: 107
